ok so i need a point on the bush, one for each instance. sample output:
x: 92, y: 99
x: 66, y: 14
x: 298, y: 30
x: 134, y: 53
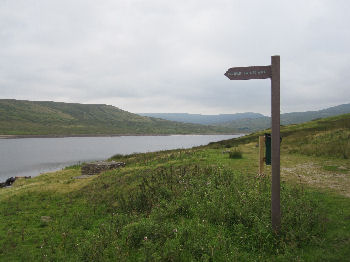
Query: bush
x: 236, y: 154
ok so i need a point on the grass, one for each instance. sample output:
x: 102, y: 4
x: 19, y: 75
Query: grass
x: 175, y: 205
x: 183, y: 205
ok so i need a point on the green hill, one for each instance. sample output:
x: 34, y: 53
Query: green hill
x: 203, y: 119
x: 19, y: 117
x: 197, y: 204
x: 328, y: 137
x: 255, y: 124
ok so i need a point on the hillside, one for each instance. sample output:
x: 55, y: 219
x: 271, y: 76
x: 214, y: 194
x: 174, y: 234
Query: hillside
x: 19, y: 117
x: 329, y: 137
x: 190, y: 205
x: 202, y: 119
x: 252, y: 125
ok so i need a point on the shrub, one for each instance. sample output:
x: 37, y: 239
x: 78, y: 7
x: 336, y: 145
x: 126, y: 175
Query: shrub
x: 117, y: 157
x: 236, y: 154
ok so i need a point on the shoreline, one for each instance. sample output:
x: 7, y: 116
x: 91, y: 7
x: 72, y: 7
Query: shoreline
x: 107, y: 135
x: 39, y: 172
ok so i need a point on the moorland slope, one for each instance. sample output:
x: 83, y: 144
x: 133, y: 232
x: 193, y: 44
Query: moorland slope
x: 20, y: 117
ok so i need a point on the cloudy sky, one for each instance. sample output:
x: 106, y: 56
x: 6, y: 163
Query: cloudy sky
x: 171, y: 56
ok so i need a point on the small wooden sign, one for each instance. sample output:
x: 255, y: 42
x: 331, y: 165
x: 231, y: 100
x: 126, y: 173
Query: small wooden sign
x: 250, y: 72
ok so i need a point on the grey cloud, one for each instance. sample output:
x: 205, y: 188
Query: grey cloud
x: 171, y: 56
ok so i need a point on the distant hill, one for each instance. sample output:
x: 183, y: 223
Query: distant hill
x: 251, y: 122
x: 20, y: 117
x: 252, y: 125
x: 202, y: 119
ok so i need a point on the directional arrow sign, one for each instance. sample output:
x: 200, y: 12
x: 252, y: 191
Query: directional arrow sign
x: 250, y: 72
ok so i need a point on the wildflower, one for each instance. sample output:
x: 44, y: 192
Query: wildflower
x: 145, y: 238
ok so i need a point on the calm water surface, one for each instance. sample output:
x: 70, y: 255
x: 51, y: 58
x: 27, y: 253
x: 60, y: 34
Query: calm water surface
x: 32, y: 156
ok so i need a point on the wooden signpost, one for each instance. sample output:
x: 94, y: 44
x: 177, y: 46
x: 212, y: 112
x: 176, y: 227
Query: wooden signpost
x: 263, y: 72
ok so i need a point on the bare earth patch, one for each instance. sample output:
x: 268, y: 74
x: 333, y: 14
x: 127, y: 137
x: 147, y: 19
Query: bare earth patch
x: 313, y: 174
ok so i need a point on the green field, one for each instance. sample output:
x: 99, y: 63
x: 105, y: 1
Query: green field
x: 201, y: 204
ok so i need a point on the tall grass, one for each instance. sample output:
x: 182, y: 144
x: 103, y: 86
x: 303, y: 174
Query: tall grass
x: 333, y: 143
x: 187, y: 213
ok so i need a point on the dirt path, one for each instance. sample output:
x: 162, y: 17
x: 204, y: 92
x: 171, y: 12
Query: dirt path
x: 333, y: 174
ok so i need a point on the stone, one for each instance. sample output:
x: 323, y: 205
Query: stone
x: 94, y: 168
x: 45, y: 219
x: 11, y: 180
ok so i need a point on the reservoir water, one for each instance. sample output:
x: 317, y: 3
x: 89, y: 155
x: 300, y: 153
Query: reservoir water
x: 32, y: 156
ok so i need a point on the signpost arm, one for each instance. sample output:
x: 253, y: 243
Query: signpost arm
x: 275, y: 143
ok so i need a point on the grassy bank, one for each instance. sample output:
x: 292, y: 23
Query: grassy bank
x: 184, y: 205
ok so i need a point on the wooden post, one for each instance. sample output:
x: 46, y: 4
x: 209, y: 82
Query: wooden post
x: 261, y: 154
x: 275, y: 143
